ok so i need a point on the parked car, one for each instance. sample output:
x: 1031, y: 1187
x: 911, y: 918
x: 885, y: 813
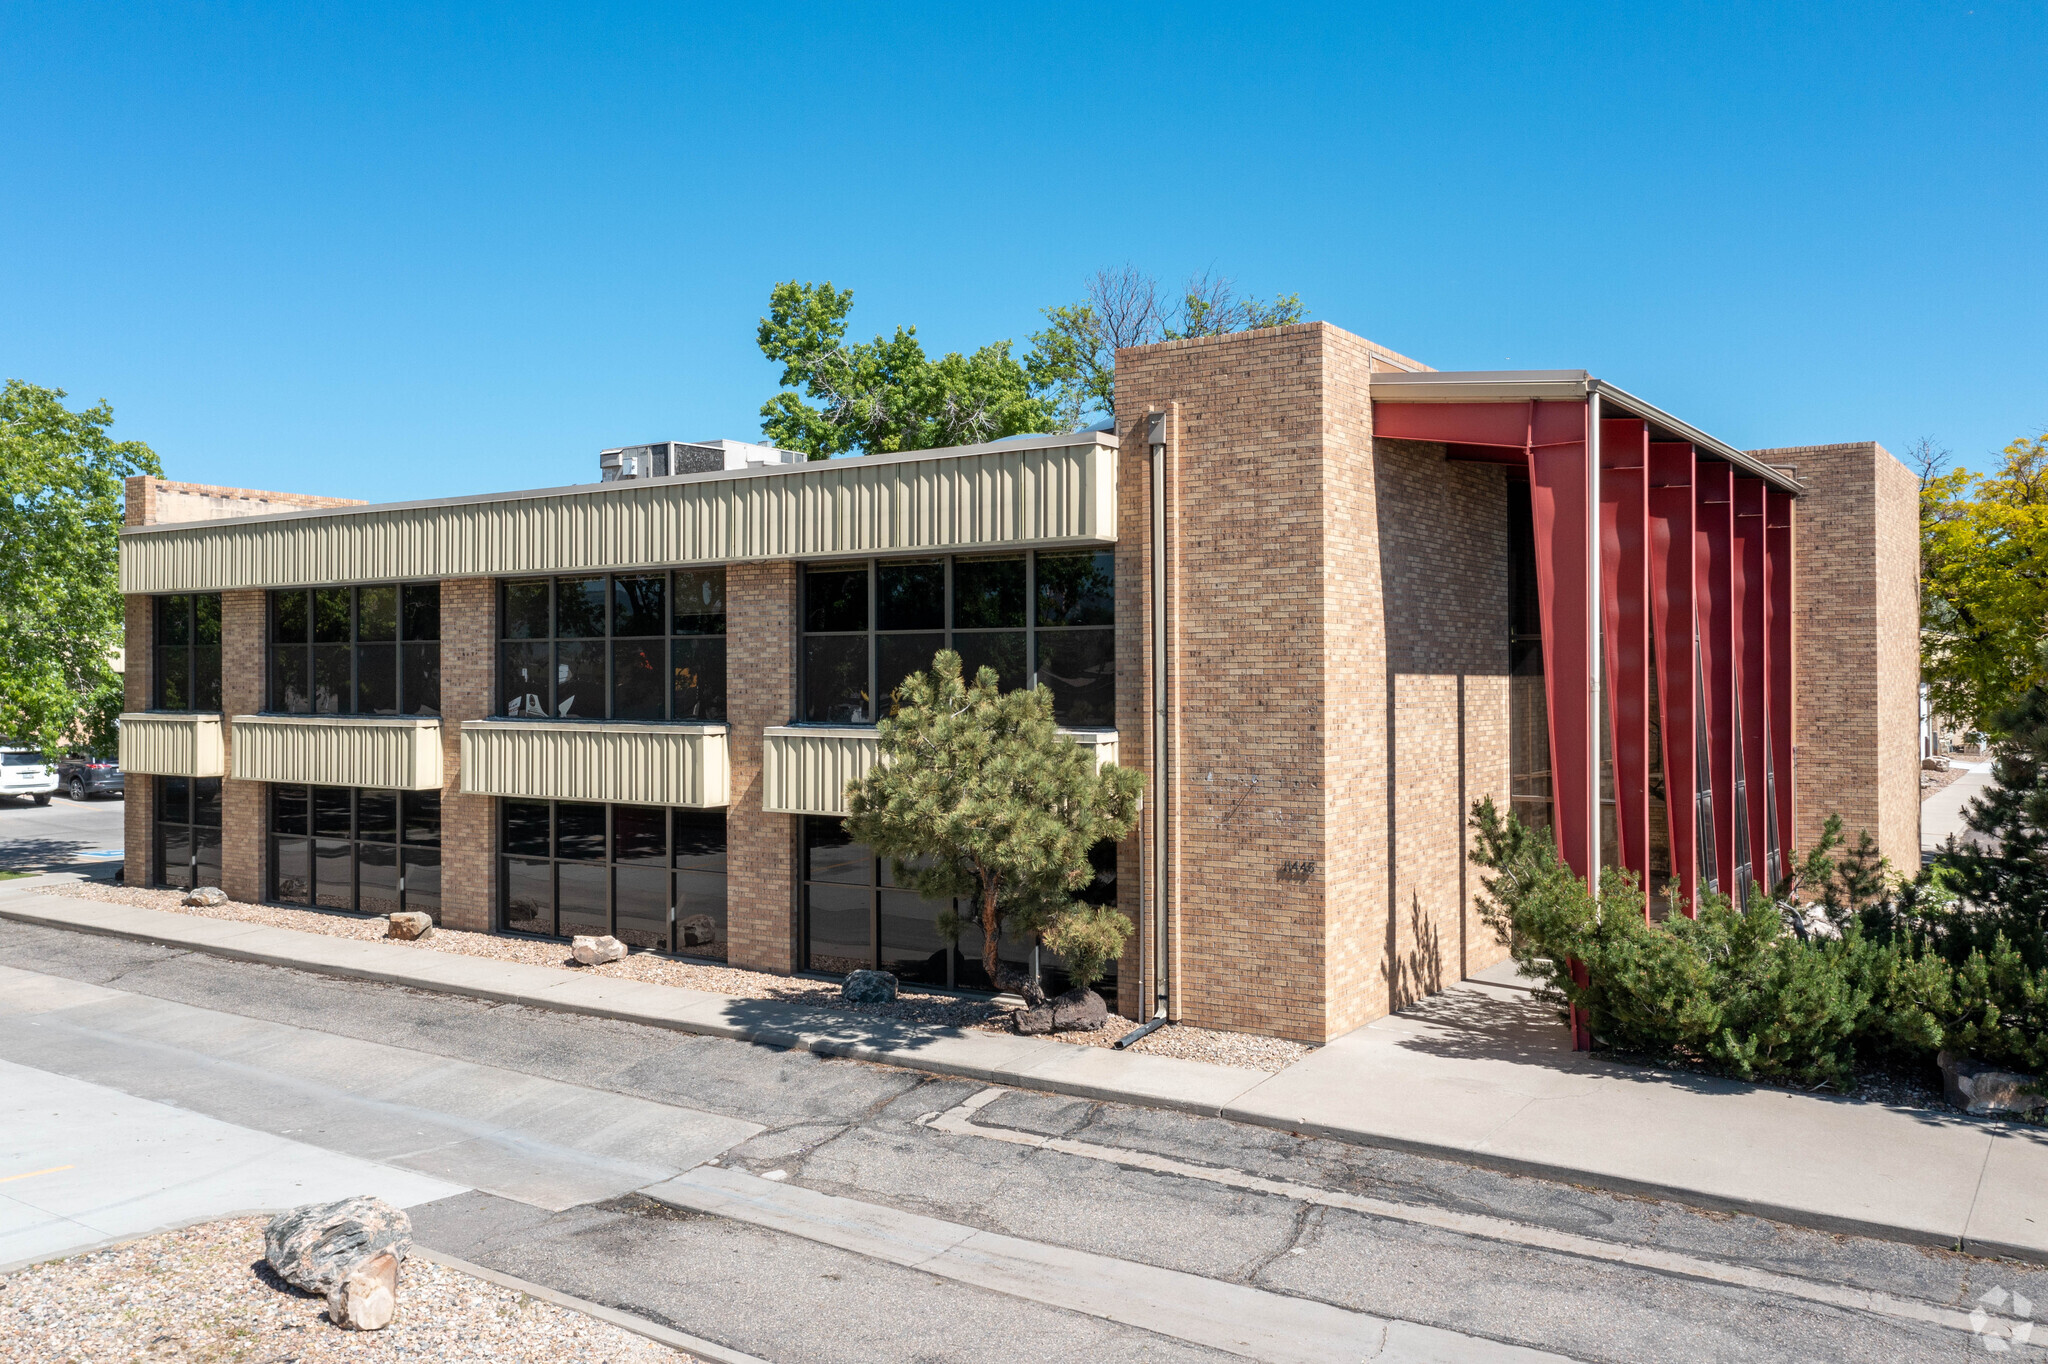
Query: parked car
x: 25, y: 772
x: 84, y: 775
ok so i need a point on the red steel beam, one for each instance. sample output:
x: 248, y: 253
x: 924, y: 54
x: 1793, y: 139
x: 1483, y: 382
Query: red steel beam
x: 1511, y: 426
x: 1625, y: 631
x: 1778, y: 524
x: 1674, y: 564
x: 1714, y: 547
x: 1753, y: 666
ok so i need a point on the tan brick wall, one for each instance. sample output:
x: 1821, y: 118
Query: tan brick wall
x: 760, y: 639
x: 138, y: 801
x: 469, y: 833
x: 149, y: 501
x: 244, y: 852
x: 1856, y: 637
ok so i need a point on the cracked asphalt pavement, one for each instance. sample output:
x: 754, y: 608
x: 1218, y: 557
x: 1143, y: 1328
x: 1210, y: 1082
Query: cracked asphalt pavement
x: 1103, y: 1179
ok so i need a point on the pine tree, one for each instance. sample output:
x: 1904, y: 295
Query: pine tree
x: 2005, y: 884
x: 978, y: 796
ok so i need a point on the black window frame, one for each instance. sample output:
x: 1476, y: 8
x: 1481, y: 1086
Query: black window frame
x: 414, y: 659
x: 192, y: 834
x: 1073, y: 708
x: 416, y: 861
x: 193, y: 659
x: 702, y: 640
x: 694, y: 892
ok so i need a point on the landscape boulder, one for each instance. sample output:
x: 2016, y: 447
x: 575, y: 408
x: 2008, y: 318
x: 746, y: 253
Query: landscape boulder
x: 1977, y: 1088
x: 1079, y: 1011
x: 596, y: 951
x: 317, y: 1247
x: 206, y: 895
x: 1034, y: 1021
x: 368, y: 1298
x: 869, y: 987
x: 408, y: 924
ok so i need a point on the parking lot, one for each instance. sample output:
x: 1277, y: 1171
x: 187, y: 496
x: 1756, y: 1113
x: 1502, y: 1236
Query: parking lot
x: 64, y: 833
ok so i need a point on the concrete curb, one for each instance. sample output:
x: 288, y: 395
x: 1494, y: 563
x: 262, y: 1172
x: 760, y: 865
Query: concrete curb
x: 1017, y: 1062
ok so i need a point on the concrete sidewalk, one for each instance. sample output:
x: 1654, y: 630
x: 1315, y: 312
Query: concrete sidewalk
x: 1480, y: 1073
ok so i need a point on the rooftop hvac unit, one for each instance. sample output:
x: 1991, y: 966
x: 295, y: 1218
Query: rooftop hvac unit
x: 664, y: 458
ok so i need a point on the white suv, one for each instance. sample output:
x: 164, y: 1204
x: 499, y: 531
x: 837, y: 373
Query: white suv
x: 25, y: 772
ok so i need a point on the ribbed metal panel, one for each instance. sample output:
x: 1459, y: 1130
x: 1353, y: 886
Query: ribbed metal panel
x: 877, y: 505
x: 805, y: 768
x: 169, y: 745
x: 338, y: 750
x: 619, y: 764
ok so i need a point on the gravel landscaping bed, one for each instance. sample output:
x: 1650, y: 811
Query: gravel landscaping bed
x: 205, y: 1294
x: 912, y: 1005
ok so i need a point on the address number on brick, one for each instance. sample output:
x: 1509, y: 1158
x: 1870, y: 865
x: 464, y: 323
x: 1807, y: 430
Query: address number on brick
x: 1298, y: 870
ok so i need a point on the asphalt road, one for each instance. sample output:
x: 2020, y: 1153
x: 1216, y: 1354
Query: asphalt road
x: 59, y: 835
x: 801, y: 1208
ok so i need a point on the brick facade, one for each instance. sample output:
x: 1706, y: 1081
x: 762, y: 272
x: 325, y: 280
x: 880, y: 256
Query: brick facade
x: 138, y: 683
x: 244, y: 850
x: 148, y: 501
x: 760, y: 661
x: 1856, y: 644
x: 469, y: 833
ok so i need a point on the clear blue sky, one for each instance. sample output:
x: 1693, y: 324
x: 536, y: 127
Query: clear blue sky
x: 372, y: 251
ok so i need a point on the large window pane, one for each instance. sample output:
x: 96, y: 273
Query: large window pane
x: 377, y: 815
x: 174, y: 678
x: 377, y: 878
x: 525, y: 611
x: 422, y: 610
x: 640, y: 834
x: 700, y: 601
x: 334, y: 874
x: 377, y: 679
x: 639, y: 679
x: 422, y: 822
x: 205, y: 857
x: 830, y: 854
x: 174, y: 620
x: 174, y: 842
x: 911, y: 596
x: 579, y: 679
x: 206, y: 619
x: 581, y: 899
x: 527, y: 829
x: 836, y: 599
x: 419, y: 667
x: 641, y: 906
x: 1080, y: 668
x: 1004, y: 652
x: 1077, y: 589
x: 291, y: 680
x: 206, y: 677
x: 836, y: 680
x: 529, y: 896
x: 291, y: 870
x: 332, y: 686
x: 988, y: 593
x: 639, y: 604
x: 423, y: 880
x: 839, y: 931
x: 911, y: 945
x: 290, y: 617
x: 700, y: 840
x: 377, y: 614
x: 331, y: 615
x: 897, y: 657
x: 697, y: 677
x: 579, y: 832
x: 579, y: 608
x: 174, y: 800
x: 206, y: 801
x: 700, y: 914
x: 290, y: 809
x: 523, y: 679
x: 332, y: 809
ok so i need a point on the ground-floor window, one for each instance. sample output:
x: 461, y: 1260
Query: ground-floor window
x: 187, y: 843
x: 342, y: 847
x: 857, y: 917
x: 649, y: 876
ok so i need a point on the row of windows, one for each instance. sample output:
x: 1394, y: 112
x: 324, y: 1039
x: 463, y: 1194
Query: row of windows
x: 621, y: 646
x: 1043, y: 619
x: 341, y: 847
x: 356, y: 650
x: 649, y: 876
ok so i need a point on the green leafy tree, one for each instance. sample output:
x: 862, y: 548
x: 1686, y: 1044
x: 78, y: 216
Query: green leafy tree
x: 874, y: 397
x: 1984, y: 582
x: 977, y: 796
x: 60, y: 597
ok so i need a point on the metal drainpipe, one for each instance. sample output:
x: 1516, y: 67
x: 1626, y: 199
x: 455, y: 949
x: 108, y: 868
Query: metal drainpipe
x: 1155, y: 441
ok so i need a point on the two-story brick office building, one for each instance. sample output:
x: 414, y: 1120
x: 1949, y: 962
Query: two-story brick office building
x: 1325, y: 597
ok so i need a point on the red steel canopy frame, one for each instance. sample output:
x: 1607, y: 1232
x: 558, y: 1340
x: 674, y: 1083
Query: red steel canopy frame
x: 1685, y: 591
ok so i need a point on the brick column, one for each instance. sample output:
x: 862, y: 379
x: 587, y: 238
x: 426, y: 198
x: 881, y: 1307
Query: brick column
x: 760, y: 641
x: 469, y: 835
x: 244, y: 851
x: 139, y: 799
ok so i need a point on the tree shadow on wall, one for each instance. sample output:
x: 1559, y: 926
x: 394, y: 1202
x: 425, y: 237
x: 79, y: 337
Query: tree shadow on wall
x: 1420, y: 972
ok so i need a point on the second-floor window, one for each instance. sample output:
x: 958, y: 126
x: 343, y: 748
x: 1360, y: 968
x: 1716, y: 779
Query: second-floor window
x: 187, y: 652
x: 356, y: 650
x: 613, y: 646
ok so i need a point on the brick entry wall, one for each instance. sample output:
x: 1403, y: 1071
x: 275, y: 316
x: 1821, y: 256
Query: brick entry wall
x: 760, y: 634
x: 1856, y: 645
x: 244, y: 851
x: 469, y: 834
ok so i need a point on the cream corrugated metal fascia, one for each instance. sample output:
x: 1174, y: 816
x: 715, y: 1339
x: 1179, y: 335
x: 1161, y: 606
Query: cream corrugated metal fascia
x: 170, y: 744
x: 1565, y: 385
x: 964, y: 497
x: 656, y: 763
x: 384, y: 752
x: 805, y: 768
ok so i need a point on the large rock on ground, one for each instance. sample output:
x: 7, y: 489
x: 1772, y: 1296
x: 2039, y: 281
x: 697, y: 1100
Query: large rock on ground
x: 596, y: 951
x: 869, y: 987
x: 1977, y: 1088
x: 410, y: 923
x: 206, y: 895
x: 1079, y: 1010
x: 318, y: 1246
x: 368, y: 1298
x: 1035, y: 1021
